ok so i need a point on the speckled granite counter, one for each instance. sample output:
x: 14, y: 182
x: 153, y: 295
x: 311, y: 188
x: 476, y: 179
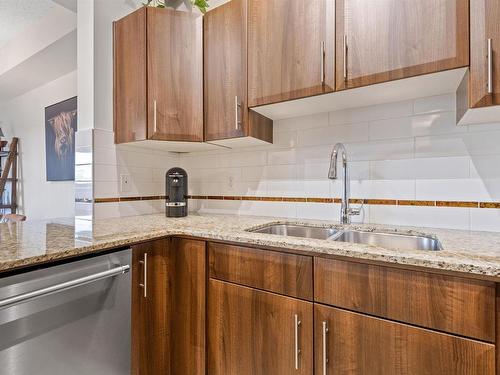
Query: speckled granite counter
x: 29, y: 243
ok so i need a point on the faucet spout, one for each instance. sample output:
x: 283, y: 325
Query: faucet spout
x: 345, y: 211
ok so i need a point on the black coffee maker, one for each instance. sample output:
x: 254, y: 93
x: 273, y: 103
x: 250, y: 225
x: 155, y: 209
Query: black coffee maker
x: 176, y: 189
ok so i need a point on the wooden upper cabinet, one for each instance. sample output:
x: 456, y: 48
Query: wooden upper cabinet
x: 290, y: 49
x: 225, y: 74
x: 251, y: 332
x: 351, y: 343
x: 158, y: 76
x: 383, y: 40
x: 484, y: 80
x: 129, y: 76
x: 175, y: 75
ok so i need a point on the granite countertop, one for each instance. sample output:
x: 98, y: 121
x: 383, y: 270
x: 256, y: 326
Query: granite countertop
x: 31, y: 243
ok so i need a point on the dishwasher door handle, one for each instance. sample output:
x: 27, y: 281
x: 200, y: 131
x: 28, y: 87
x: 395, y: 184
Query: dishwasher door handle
x: 25, y: 297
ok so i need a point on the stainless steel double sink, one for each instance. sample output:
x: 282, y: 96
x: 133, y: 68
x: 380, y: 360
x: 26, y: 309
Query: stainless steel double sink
x: 382, y: 239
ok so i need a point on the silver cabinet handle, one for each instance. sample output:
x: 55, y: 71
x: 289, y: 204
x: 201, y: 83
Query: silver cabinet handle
x: 325, y: 349
x: 297, y: 347
x: 144, y: 284
x: 237, y: 105
x: 490, y: 67
x: 345, y: 57
x: 25, y: 297
x: 154, y: 116
x: 322, y: 63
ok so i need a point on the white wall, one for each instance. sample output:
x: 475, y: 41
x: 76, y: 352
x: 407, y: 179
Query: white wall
x: 24, y: 117
x: 410, y: 150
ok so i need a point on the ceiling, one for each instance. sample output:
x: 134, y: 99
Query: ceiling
x: 16, y: 15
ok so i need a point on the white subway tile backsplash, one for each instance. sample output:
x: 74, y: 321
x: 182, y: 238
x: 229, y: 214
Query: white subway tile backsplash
x: 435, y: 124
x: 331, y: 135
x: 277, y: 157
x: 371, y: 113
x: 381, y: 150
x: 485, y: 143
x: 432, y: 104
x: 405, y: 150
x: 437, y: 217
x: 383, y: 189
x: 443, y: 167
x: 485, y: 219
x: 451, y: 190
x: 303, y: 122
x: 318, y: 211
x: 391, y: 128
x: 403, y: 169
x: 440, y: 146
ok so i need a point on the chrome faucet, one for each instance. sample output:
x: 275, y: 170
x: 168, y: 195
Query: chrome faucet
x: 345, y: 211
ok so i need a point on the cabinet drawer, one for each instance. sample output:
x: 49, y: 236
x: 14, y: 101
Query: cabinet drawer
x: 452, y: 304
x: 282, y: 273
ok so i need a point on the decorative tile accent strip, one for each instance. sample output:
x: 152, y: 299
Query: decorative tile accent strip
x: 129, y: 199
x: 385, y: 202
x: 457, y: 204
x: 416, y: 203
x: 371, y: 201
x: 489, y: 205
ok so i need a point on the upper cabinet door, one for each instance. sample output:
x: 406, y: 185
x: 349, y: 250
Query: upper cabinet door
x: 290, y: 49
x: 175, y: 75
x: 129, y: 76
x: 484, y: 89
x: 383, y: 40
x: 225, y: 66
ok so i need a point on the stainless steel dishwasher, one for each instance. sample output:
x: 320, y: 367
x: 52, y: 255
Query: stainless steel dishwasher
x: 67, y: 319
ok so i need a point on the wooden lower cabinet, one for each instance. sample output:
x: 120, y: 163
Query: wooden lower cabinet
x: 168, y: 307
x: 251, y: 332
x: 360, y: 344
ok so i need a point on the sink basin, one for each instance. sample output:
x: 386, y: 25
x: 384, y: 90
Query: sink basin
x: 391, y: 241
x: 295, y: 230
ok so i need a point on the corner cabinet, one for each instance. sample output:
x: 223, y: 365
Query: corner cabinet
x: 158, y: 76
x: 484, y: 80
x: 168, y: 307
x: 290, y: 49
x: 228, y: 121
x: 384, y: 40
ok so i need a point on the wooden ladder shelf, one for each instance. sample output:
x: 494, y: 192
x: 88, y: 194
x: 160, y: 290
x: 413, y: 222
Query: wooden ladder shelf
x: 10, y: 165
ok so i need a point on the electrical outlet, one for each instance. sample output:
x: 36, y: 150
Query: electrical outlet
x: 125, y: 183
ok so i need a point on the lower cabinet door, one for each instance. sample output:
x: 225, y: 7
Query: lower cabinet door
x: 168, y: 307
x: 251, y: 332
x: 150, y: 347
x: 352, y: 343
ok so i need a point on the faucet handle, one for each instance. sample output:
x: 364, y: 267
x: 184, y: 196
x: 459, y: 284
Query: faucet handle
x: 355, y: 211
